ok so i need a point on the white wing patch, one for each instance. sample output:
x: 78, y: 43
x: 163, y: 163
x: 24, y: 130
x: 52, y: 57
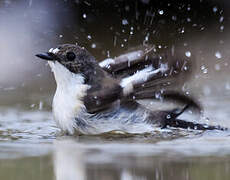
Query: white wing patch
x: 140, y: 77
x: 106, y: 63
x: 132, y: 56
x: 129, y: 57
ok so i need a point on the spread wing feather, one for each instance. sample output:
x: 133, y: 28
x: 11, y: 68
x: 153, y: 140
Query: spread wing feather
x: 143, y: 74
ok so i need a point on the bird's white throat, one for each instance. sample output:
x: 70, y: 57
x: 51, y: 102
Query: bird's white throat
x: 67, y: 102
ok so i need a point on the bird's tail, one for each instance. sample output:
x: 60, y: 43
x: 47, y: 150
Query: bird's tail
x: 172, y: 120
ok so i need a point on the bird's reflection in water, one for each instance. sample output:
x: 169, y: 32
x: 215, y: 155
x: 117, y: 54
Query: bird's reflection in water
x: 69, y: 160
x: 143, y: 158
x: 76, y: 160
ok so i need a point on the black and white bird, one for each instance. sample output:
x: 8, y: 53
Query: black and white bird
x: 95, y: 98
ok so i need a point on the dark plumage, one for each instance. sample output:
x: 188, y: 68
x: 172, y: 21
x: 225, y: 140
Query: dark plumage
x: 115, y: 85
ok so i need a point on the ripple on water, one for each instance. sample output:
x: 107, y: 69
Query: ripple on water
x: 22, y: 126
x: 33, y: 129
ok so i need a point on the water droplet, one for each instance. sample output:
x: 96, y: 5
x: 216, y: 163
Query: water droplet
x: 174, y: 18
x: 161, y: 12
x: 40, y: 105
x: 189, y: 19
x: 125, y: 21
x: 32, y: 105
x: 204, y: 69
x: 202, y: 28
x: 157, y: 95
x: 89, y: 37
x: 108, y: 54
x: 93, y: 45
x: 218, y: 55
x: 221, y: 19
x: 98, y: 102
x: 188, y: 53
x: 129, y: 63
x: 214, y: 9
x: 84, y: 16
x: 222, y: 28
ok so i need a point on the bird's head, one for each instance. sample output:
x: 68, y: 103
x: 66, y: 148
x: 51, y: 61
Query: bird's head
x: 75, y: 58
x: 72, y: 57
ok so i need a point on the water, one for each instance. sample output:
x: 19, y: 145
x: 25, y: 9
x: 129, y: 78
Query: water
x: 33, y: 148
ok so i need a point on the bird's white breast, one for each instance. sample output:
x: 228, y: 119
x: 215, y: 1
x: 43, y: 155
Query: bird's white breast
x: 67, y: 102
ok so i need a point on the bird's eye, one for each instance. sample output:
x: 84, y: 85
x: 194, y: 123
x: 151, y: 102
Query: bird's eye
x: 70, y: 56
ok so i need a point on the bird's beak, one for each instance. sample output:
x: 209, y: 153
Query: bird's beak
x: 46, y: 56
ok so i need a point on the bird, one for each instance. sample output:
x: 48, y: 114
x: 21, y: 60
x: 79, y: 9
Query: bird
x: 94, y: 98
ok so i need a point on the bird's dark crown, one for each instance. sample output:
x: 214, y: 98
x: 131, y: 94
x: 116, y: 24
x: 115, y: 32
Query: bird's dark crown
x: 75, y: 58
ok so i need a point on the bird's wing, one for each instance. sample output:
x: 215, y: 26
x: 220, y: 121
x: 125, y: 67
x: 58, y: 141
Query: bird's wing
x: 144, y: 74
x: 102, y: 95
